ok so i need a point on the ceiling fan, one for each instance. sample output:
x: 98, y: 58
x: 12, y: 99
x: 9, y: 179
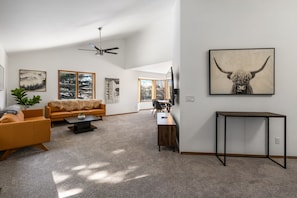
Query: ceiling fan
x: 99, y: 50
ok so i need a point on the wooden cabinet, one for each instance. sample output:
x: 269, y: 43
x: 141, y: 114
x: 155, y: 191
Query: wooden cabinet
x: 166, y: 130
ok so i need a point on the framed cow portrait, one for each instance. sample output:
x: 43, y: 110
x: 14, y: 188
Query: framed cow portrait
x: 242, y: 71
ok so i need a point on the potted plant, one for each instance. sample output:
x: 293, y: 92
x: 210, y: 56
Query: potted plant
x: 20, y: 95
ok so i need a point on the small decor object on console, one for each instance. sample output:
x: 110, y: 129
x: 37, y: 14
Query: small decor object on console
x: 81, y: 116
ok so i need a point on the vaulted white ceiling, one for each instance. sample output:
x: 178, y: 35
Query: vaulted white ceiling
x: 37, y: 24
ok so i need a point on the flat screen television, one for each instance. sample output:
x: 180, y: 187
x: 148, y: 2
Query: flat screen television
x: 170, y: 84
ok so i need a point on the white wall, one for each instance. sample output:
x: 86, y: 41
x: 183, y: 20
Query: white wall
x: 229, y: 24
x: 3, y: 62
x: 69, y: 58
x: 176, y: 58
x: 152, y: 45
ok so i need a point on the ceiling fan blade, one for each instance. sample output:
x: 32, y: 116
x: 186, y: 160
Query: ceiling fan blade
x: 114, y: 48
x: 110, y: 52
x: 94, y: 46
x: 87, y: 49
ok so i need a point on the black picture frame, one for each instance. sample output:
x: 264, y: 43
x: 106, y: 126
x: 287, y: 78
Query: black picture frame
x: 32, y: 80
x: 247, y: 71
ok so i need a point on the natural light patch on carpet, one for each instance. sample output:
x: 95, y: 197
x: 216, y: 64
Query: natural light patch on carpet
x: 84, y: 172
x: 91, y: 166
x: 118, y: 151
x: 59, y: 177
x: 79, y: 167
x: 137, y: 177
x: 98, y: 165
x: 63, y: 193
x: 113, y: 178
x: 68, y: 193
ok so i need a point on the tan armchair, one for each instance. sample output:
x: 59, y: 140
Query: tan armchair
x: 27, y: 128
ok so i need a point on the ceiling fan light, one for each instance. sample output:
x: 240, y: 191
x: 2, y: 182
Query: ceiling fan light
x: 99, y: 53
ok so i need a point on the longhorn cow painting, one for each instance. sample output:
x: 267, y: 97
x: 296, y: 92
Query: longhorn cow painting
x: 241, y: 71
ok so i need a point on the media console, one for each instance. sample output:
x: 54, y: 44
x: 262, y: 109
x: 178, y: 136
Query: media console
x: 166, y: 130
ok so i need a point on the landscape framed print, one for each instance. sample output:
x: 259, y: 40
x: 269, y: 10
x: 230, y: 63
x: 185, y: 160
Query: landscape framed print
x: 242, y: 71
x: 32, y: 80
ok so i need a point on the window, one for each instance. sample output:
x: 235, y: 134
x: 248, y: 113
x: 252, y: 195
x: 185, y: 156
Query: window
x: 146, y: 90
x: 160, y: 89
x: 152, y: 89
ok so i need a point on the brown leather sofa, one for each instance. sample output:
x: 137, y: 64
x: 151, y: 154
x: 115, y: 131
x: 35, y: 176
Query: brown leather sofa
x: 60, y: 109
x: 26, y: 128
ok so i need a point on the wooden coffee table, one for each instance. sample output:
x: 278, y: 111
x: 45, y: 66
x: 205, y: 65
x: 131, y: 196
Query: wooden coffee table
x: 81, y: 125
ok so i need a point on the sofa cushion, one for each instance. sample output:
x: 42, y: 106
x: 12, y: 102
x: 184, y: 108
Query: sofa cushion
x: 70, y: 105
x: 55, y: 106
x: 76, y: 112
x: 94, y: 111
x: 6, y: 118
x: 63, y: 114
x: 86, y: 104
x: 96, y: 104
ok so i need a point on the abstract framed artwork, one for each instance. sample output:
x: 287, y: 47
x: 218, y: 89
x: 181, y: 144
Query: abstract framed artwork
x: 242, y: 71
x: 86, y: 85
x: 76, y: 85
x: 32, y: 80
x: 67, y: 84
x: 112, y: 90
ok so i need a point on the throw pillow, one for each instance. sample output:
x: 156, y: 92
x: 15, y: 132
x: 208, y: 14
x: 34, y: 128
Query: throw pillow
x: 13, y: 109
x: 96, y: 104
x: 9, y: 118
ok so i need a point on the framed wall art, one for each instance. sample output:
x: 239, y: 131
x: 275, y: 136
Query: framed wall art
x: 112, y: 90
x: 86, y: 85
x: 1, y: 78
x: 76, y: 85
x: 242, y: 71
x: 32, y: 80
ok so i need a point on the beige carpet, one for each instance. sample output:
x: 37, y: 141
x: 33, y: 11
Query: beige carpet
x: 121, y: 159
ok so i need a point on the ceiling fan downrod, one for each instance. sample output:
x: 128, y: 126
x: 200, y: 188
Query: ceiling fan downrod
x: 100, y: 28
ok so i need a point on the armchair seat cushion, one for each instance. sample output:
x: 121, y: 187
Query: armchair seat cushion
x: 35, y: 118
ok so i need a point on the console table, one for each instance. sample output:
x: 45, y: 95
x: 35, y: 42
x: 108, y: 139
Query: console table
x: 166, y: 130
x: 266, y: 115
